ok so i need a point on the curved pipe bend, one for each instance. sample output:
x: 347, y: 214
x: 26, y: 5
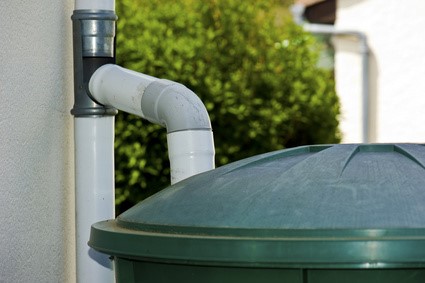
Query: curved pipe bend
x: 170, y: 104
x: 160, y: 101
x: 174, y: 106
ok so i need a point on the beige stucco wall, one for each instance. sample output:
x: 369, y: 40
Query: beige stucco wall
x: 36, y: 147
x: 395, y: 34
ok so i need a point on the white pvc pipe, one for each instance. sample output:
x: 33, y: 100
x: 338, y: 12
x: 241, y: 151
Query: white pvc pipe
x: 95, y: 5
x: 190, y: 153
x: 298, y: 15
x: 190, y: 138
x: 364, y: 52
x: 94, y: 177
x: 113, y: 85
x: 94, y: 170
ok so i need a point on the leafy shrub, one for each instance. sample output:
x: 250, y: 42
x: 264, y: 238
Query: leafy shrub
x: 257, y: 78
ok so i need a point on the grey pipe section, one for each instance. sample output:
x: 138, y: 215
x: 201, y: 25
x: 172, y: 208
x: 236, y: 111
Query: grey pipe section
x: 93, y: 46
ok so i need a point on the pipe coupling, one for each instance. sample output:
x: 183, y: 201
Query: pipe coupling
x: 97, y: 32
x: 93, y: 42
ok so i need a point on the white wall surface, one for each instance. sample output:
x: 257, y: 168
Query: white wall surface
x: 36, y: 142
x: 395, y: 32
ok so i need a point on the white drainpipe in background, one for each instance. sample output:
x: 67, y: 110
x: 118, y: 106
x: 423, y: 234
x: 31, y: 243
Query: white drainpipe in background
x: 297, y: 13
x: 189, y: 134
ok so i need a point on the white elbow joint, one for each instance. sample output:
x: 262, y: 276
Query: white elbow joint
x: 189, y: 134
x: 170, y: 104
x: 174, y: 106
x: 160, y: 101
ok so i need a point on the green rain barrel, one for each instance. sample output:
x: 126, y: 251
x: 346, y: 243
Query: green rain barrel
x: 327, y: 213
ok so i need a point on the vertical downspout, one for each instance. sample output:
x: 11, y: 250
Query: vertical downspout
x: 364, y: 50
x: 297, y: 12
x: 93, y: 43
x: 364, y: 53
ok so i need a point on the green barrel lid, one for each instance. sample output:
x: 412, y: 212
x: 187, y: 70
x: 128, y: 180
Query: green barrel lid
x: 353, y: 206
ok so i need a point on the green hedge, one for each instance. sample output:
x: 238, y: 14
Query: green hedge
x: 255, y: 72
